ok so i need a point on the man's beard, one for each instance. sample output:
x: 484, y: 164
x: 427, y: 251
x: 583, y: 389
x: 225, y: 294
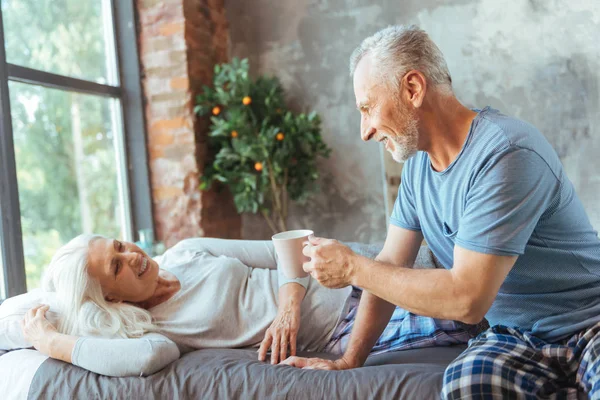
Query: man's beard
x: 405, y: 145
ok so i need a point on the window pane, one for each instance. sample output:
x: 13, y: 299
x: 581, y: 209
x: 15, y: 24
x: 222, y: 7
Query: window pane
x: 2, y: 287
x: 66, y: 37
x: 69, y: 170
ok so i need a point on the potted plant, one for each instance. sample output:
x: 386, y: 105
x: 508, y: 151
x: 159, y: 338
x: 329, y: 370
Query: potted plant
x: 266, y: 154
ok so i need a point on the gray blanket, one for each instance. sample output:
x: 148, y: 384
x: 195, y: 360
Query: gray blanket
x: 236, y: 374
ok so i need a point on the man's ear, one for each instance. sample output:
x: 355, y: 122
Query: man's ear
x: 414, y: 87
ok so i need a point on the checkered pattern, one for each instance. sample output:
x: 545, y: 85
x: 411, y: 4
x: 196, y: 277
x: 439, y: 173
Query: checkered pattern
x: 404, y: 331
x: 507, y: 363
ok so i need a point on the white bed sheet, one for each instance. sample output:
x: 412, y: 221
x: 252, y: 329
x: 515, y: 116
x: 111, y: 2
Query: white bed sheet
x: 17, y: 369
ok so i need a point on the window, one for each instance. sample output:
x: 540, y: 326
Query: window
x: 66, y: 37
x: 67, y: 155
x: 2, y: 285
x: 71, y: 112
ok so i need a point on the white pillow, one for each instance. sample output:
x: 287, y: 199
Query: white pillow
x: 12, y: 311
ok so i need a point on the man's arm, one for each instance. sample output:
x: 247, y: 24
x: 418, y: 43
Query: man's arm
x: 464, y: 293
x: 400, y: 249
x: 374, y: 313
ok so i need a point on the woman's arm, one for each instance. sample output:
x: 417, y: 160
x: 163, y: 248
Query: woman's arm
x: 253, y: 253
x: 111, y: 357
x: 125, y: 357
x: 283, y: 332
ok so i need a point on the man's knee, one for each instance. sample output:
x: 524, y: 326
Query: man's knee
x: 469, y: 369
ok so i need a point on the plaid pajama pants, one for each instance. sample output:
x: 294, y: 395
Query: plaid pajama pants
x: 507, y: 363
x: 404, y: 331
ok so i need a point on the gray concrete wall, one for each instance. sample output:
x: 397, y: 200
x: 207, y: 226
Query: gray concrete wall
x: 538, y: 60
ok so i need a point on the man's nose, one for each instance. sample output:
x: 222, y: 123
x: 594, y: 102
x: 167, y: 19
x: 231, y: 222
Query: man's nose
x: 367, y: 133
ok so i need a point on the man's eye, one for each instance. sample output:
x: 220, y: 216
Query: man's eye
x: 117, y: 268
x: 121, y: 246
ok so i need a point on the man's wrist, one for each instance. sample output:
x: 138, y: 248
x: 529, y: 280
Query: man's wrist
x: 350, y: 362
x: 357, y: 263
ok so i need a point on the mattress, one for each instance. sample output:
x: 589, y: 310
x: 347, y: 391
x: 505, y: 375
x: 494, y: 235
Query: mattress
x: 237, y: 374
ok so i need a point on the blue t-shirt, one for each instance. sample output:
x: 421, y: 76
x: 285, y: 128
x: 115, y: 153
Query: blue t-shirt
x: 507, y: 194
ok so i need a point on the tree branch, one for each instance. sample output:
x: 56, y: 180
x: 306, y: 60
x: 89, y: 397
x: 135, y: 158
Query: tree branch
x: 269, y: 221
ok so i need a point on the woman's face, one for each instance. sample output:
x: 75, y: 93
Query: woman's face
x: 124, y: 271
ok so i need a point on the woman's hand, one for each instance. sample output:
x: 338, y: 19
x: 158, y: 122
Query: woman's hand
x: 282, y: 334
x: 37, y: 330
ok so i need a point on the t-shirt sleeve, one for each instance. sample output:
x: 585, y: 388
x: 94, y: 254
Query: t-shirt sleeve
x: 404, y: 213
x: 505, y: 202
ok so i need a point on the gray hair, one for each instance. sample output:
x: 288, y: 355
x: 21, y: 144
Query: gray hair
x: 398, y: 49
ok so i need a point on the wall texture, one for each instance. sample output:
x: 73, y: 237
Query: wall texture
x: 535, y: 59
x: 180, y: 41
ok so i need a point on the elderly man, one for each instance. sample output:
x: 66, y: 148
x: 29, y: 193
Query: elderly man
x: 491, y: 198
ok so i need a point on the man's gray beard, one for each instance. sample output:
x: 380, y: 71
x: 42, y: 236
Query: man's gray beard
x: 402, y: 152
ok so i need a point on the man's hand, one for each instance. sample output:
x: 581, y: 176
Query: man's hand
x: 318, y: 363
x: 332, y: 264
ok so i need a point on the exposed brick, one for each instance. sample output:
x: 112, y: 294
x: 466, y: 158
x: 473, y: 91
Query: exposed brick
x: 168, y: 124
x: 161, y: 140
x: 176, y: 57
x: 169, y: 96
x: 180, y: 83
x: 166, y: 193
x: 180, y: 42
x: 171, y: 29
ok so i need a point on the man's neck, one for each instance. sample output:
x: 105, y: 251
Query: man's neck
x: 445, y: 125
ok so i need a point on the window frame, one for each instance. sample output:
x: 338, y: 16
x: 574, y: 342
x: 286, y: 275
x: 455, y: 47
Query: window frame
x: 133, y: 126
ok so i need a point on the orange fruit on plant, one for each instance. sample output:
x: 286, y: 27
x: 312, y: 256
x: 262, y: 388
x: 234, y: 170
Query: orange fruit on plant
x: 258, y: 166
x: 234, y: 134
x: 216, y: 110
x: 246, y: 100
x: 280, y: 136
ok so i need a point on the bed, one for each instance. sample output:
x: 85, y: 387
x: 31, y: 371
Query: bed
x: 231, y: 374
x: 235, y: 373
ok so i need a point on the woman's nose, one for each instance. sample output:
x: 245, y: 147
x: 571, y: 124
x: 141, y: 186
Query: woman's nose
x: 132, y: 258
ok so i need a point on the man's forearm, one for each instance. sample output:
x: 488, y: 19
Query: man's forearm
x: 430, y: 292
x: 373, y: 316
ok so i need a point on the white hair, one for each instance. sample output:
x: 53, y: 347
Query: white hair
x: 398, y: 49
x: 84, y: 310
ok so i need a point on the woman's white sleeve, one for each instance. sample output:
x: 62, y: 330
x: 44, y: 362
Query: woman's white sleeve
x: 125, y: 357
x: 253, y: 253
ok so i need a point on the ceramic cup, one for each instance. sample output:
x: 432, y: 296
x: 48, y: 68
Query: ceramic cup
x: 288, y: 246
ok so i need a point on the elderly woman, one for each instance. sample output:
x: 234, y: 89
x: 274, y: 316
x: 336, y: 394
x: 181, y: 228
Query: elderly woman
x: 124, y: 313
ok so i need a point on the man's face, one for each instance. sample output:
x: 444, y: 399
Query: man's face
x: 384, y: 116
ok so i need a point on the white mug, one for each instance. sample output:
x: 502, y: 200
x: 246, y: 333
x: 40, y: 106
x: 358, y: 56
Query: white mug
x: 288, y: 246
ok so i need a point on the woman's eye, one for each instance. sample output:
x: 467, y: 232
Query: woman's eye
x: 121, y: 246
x: 117, y: 268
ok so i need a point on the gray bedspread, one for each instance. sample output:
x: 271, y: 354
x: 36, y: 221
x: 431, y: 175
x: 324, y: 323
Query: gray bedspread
x: 237, y: 374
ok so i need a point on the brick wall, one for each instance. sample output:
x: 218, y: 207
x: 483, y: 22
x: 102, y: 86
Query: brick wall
x: 180, y: 41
